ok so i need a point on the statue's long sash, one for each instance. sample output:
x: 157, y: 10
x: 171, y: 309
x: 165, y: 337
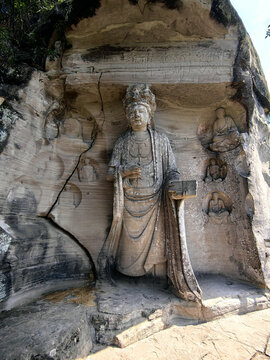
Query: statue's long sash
x: 179, y: 269
x: 107, y: 256
x: 118, y: 208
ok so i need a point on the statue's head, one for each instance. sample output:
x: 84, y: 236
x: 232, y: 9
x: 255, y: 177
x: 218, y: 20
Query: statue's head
x: 213, y: 161
x: 215, y: 196
x: 140, y: 106
x: 220, y: 112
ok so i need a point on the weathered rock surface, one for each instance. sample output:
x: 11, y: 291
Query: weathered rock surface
x: 71, y: 324
x: 236, y: 337
x: 132, y: 310
x: 37, y: 258
x: 57, y: 135
x: 45, y: 331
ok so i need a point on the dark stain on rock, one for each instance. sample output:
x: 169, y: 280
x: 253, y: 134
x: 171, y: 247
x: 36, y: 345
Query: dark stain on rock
x: 35, y: 250
x: 82, y: 9
x: 105, y: 52
x: 248, y: 76
x: 13, y: 78
x: 223, y: 12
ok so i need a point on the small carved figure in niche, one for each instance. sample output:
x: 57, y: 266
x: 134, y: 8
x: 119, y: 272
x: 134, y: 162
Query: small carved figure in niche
x: 225, y: 133
x: 218, y: 207
x: 70, y: 142
x: 216, y: 170
x: 145, y: 233
x: 87, y: 171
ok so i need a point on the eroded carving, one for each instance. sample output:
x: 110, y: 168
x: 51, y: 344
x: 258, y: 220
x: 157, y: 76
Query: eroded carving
x: 218, y: 207
x: 148, y: 215
x: 225, y: 133
x: 21, y: 198
x: 216, y: 170
x: 71, y: 128
x: 55, y: 111
x: 70, y: 196
x: 51, y: 130
x: 48, y: 167
x: 35, y: 252
x: 87, y: 170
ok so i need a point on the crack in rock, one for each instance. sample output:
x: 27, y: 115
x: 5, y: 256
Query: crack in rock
x: 69, y: 234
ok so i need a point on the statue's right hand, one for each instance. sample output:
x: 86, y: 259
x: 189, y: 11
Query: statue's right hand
x: 132, y: 172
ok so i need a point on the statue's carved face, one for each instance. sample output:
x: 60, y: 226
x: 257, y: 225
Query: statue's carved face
x: 220, y: 113
x: 138, y: 117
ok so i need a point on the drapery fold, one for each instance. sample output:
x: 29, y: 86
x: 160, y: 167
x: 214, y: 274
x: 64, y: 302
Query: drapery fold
x: 179, y: 269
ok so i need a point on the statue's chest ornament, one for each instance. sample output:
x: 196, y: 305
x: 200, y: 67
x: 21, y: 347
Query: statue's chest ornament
x: 141, y: 151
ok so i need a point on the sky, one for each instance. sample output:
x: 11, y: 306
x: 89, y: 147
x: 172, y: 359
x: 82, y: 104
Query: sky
x: 255, y: 15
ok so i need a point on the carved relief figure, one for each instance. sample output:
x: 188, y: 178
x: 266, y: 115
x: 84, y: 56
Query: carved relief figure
x: 70, y: 142
x: 48, y: 167
x: 218, y: 207
x: 225, y: 133
x: 145, y: 235
x: 87, y: 171
x: 216, y: 170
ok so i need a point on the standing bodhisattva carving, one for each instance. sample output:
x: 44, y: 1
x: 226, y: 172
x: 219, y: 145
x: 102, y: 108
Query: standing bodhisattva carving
x: 147, y: 235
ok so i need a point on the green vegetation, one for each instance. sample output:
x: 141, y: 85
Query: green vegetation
x: 29, y: 29
x: 21, y: 35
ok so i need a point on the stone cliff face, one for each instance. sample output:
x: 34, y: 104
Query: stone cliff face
x: 57, y: 135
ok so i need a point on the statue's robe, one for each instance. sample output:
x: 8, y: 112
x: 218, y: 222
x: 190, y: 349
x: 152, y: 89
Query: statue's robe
x: 145, y: 235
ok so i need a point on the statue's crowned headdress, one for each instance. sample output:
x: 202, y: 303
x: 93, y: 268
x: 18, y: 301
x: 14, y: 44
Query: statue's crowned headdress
x: 140, y: 94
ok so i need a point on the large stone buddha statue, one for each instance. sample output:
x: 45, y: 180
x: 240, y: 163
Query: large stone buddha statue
x: 145, y: 236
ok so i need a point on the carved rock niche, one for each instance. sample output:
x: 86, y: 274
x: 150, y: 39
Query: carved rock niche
x: 59, y: 133
x: 218, y: 207
x: 222, y: 135
x: 215, y: 170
